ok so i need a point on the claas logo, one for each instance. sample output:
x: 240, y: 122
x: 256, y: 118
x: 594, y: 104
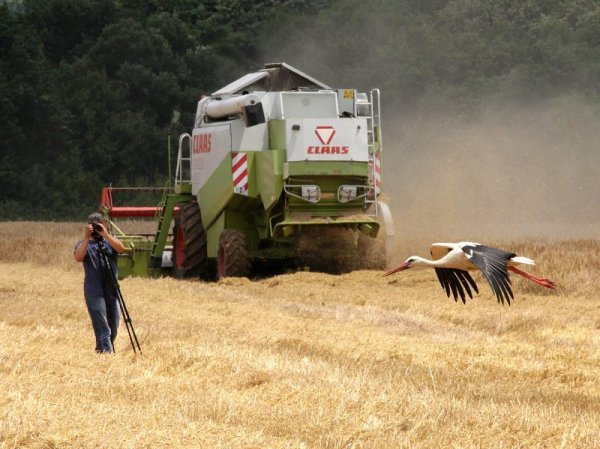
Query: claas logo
x: 202, y: 143
x: 325, y: 135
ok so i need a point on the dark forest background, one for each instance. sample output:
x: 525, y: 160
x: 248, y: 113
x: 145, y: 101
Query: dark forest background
x: 88, y: 87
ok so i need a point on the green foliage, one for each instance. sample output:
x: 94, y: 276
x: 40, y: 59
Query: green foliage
x: 88, y: 86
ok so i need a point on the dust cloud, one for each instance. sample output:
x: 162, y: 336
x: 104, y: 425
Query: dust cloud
x: 511, y: 172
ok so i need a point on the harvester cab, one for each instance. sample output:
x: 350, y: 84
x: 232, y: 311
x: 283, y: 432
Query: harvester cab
x: 280, y: 169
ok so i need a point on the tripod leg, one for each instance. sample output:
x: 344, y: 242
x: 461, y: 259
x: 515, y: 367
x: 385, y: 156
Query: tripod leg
x: 124, y: 312
x: 127, y: 325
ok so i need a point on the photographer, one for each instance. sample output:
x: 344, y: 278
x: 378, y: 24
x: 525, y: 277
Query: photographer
x: 100, y: 295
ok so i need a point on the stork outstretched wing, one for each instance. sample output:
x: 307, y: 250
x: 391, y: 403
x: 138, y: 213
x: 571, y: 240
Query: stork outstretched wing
x: 493, y: 263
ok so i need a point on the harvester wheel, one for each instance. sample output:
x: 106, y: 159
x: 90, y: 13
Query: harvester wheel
x: 189, y: 243
x: 234, y: 257
x: 371, y: 253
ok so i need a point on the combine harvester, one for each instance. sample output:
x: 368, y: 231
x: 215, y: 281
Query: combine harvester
x: 279, y: 170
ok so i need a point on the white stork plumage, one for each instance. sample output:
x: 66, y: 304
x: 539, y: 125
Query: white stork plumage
x: 453, y: 261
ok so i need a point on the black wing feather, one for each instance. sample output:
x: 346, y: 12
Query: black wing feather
x: 454, y: 286
x: 443, y: 278
x: 470, y: 280
x: 457, y: 281
x: 493, y: 264
x: 464, y: 277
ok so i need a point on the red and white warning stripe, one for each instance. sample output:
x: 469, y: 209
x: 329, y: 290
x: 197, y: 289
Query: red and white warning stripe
x: 377, y: 174
x: 239, y: 170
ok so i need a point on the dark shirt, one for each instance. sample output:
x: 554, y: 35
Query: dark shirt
x: 97, y: 281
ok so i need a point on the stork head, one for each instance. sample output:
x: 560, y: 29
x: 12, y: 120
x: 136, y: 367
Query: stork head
x: 411, y: 262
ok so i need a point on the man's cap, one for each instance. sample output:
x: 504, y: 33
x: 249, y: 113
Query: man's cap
x: 96, y: 217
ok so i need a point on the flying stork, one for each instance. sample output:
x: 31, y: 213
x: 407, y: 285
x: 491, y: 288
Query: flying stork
x: 452, y: 261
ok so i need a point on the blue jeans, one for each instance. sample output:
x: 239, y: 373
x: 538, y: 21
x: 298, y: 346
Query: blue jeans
x: 104, y: 312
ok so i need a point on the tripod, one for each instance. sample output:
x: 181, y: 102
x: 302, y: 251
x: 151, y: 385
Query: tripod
x: 109, y: 273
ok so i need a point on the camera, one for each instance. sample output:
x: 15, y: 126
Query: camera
x: 96, y: 230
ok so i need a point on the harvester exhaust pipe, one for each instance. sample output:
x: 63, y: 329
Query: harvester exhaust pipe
x: 249, y: 106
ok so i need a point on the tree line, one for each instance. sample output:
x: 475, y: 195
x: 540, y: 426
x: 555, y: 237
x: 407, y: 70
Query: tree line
x: 89, y: 87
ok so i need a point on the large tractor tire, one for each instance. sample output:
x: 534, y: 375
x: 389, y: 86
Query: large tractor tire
x: 189, y: 243
x: 234, y: 256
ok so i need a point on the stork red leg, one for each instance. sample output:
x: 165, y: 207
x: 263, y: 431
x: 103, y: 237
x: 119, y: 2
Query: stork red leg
x: 544, y: 282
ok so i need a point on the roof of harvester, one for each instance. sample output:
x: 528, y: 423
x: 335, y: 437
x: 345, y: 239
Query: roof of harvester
x: 273, y: 78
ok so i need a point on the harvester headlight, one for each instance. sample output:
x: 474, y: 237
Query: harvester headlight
x: 311, y: 194
x: 347, y: 193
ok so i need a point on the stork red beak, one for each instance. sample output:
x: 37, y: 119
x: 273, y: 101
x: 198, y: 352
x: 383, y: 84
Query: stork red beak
x: 402, y: 267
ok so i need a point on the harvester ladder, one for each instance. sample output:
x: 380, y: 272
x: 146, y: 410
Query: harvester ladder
x: 162, y: 231
x: 168, y: 211
x: 160, y: 238
x: 374, y: 135
x: 183, y: 173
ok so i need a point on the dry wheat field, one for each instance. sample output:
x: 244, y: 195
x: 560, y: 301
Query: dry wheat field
x: 300, y: 360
